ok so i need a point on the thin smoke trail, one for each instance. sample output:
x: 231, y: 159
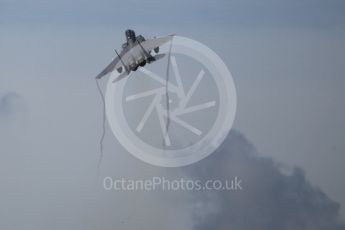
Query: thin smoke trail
x: 103, y: 127
x: 167, y: 99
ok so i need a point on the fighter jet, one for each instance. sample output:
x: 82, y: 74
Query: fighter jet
x: 136, y: 52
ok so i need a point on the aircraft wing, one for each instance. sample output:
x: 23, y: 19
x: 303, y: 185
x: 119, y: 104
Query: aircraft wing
x: 109, y: 68
x: 134, y: 53
x: 150, y: 44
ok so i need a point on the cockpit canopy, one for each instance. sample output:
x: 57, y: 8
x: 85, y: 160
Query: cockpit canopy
x: 130, y: 35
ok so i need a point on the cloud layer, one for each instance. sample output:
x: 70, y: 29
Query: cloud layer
x: 270, y: 199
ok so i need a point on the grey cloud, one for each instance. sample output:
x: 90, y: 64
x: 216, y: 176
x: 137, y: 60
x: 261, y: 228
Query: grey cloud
x: 270, y: 199
x: 12, y: 106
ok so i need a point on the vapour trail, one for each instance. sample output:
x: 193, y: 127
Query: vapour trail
x: 167, y: 91
x: 103, y: 127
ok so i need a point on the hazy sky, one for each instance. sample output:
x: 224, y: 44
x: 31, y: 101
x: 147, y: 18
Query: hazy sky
x: 287, y: 59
